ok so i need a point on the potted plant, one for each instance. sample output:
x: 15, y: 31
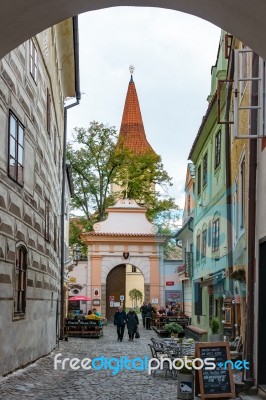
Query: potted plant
x: 173, y: 329
x: 215, y: 336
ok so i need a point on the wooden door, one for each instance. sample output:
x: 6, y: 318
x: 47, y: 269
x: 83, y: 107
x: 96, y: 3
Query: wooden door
x: 115, y: 287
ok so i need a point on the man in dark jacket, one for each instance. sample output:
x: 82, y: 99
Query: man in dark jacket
x: 148, y: 316
x: 143, y: 310
x: 120, y: 321
x: 132, y: 324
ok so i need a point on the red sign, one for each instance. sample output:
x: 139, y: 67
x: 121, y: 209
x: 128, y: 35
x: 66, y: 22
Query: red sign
x: 170, y: 283
x: 111, y: 298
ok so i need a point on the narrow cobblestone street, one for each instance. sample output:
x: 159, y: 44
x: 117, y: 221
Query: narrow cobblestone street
x: 40, y: 381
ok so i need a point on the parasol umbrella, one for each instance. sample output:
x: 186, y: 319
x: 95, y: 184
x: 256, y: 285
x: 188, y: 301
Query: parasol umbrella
x: 79, y: 298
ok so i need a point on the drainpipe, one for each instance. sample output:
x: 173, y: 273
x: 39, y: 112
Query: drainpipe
x: 249, y: 378
x: 228, y: 178
x: 62, y: 239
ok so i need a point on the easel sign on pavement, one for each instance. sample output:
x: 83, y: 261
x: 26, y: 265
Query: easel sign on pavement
x: 217, y: 383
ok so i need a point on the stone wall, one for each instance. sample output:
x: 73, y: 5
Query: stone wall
x: 26, y: 336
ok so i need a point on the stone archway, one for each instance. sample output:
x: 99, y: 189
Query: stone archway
x: 21, y: 20
x: 119, y: 281
x: 126, y: 236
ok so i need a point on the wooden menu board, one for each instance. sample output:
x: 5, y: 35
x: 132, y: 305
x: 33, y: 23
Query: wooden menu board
x: 217, y: 383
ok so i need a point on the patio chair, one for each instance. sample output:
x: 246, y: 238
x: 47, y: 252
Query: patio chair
x: 155, y: 354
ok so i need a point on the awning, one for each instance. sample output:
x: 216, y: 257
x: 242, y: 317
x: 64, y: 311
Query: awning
x: 213, y: 279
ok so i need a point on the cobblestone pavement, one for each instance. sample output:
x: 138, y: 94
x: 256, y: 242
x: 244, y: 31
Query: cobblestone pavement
x: 40, y: 381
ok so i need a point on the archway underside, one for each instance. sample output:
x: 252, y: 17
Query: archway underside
x: 21, y: 20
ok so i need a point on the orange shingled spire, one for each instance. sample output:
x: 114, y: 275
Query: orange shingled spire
x: 132, y: 133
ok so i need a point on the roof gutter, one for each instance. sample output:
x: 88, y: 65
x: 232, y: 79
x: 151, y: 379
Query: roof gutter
x: 186, y: 225
x: 62, y: 239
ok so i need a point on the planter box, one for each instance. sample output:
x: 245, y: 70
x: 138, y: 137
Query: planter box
x: 218, y: 337
x: 82, y: 328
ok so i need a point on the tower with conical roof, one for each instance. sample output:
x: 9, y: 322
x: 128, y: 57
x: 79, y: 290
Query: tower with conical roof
x: 132, y: 133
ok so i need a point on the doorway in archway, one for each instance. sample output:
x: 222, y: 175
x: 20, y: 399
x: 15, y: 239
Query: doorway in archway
x: 124, y: 286
x: 115, y: 290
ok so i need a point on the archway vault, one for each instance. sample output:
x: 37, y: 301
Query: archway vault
x: 21, y: 20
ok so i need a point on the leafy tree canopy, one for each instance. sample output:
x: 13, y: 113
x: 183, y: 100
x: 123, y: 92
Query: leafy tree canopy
x: 97, y: 161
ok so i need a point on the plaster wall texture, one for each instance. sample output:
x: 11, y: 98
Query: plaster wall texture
x: 126, y: 217
x: 26, y: 336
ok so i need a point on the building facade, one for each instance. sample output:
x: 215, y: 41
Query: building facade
x: 185, y: 236
x: 210, y: 258
x: 35, y: 79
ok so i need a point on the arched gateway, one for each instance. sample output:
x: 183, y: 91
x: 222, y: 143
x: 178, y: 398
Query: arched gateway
x: 21, y: 20
x: 126, y: 236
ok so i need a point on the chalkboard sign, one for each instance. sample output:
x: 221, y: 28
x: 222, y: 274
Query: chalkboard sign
x: 217, y: 383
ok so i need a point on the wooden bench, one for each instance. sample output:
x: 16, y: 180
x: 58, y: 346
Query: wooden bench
x: 83, y: 328
x: 160, y: 331
x: 198, y: 334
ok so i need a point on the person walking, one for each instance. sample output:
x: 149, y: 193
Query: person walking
x: 132, y: 324
x: 120, y: 321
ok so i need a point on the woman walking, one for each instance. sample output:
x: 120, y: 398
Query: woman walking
x: 132, y: 324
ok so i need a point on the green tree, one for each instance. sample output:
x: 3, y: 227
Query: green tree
x: 78, y: 225
x: 97, y: 161
x: 168, y: 222
x: 139, y: 176
x: 135, y: 295
x: 94, y: 164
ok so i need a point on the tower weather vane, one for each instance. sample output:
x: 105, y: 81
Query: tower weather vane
x: 131, y: 69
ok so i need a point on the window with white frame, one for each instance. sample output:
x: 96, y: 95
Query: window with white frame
x: 198, y: 247
x: 244, y: 64
x: 217, y: 154
x: 199, y: 179
x: 205, y: 170
x: 216, y: 233
x: 16, y: 149
x: 204, y: 241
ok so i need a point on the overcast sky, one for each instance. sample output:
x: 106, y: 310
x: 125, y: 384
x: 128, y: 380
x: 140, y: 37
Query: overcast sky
x: 172, y: 54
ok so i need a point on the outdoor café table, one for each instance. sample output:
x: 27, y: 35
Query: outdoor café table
x: 179, y: 349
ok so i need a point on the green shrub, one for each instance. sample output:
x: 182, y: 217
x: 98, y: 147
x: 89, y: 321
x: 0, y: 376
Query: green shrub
x: 173, y: 327
x: 215, y: 326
